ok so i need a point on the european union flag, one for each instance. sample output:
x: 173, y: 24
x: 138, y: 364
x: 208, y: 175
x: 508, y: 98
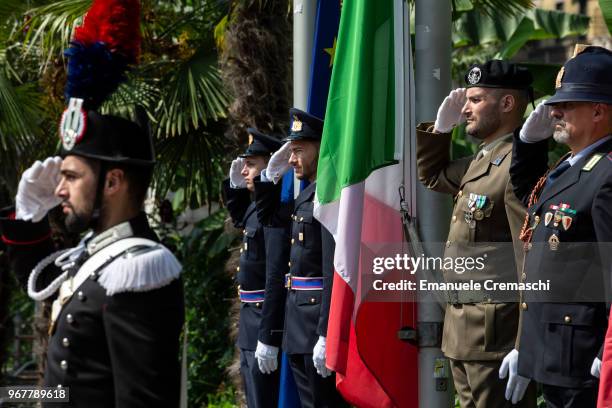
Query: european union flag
x: 326, y: 32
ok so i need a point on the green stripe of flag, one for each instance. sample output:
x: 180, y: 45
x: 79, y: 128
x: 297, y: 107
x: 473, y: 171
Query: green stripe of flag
x: 359, y: 131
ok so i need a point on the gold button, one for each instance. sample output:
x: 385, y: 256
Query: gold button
x: 312, y: 300
x: 301, y: 219
x: 524, y: 306
x: 292, y: 241
x: 65, y: 342
x: 241, y: 250
x: 567, y: 319
x: 290, y: 264
x: 69, y: 318
x: 244, y: 231
x: 257, y: 304
x: 237, y: 268
x: 460, y: 193
x: 81, y: 296
x: 454, y: 218
x: 64, y: 365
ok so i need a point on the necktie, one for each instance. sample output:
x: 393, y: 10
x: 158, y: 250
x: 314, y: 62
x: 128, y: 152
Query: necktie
x: 557, y: 171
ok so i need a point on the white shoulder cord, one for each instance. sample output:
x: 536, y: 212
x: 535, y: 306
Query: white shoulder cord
x: 63, y: 259
x: 49, y: 290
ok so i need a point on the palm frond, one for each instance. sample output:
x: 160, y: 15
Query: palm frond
x: 195, y: 95
x: 488, y: 7
x: 50, y: 28
x: 192, y: 162
x: 138, y: 90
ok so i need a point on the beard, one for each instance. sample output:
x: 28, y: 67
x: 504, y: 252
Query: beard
x: 561, y: 135
x: 485, y: 126
x: 78, y: 222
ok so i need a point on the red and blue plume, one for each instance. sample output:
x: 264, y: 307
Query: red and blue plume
x: 102, y: 50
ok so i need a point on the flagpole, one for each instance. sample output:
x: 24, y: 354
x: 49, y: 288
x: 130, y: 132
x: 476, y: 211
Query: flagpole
x: 433, y: 82
x: 304, y: 15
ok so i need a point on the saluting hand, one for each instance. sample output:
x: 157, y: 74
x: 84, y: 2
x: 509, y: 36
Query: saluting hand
x: 235, y: 175
x: 539, y: 124
x: 36, y: 191
x: 279, y: 163
x: 449, y: 112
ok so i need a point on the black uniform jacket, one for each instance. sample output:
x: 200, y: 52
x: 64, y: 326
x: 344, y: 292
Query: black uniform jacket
x: 563, y: 329
x: 257, y: 320
x: 111, y: 351
x: 311, y: 255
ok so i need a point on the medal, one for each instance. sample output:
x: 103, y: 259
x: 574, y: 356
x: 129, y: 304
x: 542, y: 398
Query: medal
x: 557, y: 218
x: 553, y: 242
x: 468, y: 216
x: 548, y: 218
x: 476, y: 209
x: 566, y: 221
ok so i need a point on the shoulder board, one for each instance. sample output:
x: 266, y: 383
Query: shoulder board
x: 592, y: 162
x: 140, y: 269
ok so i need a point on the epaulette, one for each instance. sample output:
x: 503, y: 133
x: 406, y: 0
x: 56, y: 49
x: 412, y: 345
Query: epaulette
x: 140, y: 269
x: 592, y: 162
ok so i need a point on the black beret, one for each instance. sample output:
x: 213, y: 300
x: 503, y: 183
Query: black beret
x: 498, y: 74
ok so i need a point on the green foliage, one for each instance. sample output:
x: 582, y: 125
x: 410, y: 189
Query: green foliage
x: 177, y: 82
x: 511, y: 32
x: 209, y: 291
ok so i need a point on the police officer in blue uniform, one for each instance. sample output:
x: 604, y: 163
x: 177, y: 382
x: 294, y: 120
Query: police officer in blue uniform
x: 569, y: 213
x: 117, y: 296
x: 260, y: 326
x: 309, y: 268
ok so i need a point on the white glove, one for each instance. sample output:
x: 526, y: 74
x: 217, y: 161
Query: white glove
x: 267, y: 357
x: 539, y: 124
x: 235, y: 174
x: 318, y: 358
x: 36, y: 191
x: 596, y: 367
x: 517, y: 385
x: 449, y: 112
x: 279, y: 163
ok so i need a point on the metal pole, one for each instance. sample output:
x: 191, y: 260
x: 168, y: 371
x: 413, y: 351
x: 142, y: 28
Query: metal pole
x: 304, y: 15
x: 433, y: 82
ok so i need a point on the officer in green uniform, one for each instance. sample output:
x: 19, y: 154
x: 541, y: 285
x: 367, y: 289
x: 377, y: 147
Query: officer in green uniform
x: 479, y: 326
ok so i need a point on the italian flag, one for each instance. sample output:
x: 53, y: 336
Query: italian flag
x: 357, y: 200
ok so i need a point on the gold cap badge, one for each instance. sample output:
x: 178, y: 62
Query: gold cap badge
x: 296, y: 126
x: 578, y: 48
x: 250, y: 139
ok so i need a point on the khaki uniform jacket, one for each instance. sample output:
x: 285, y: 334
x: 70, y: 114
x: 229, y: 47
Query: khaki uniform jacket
x: 485, y: 328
